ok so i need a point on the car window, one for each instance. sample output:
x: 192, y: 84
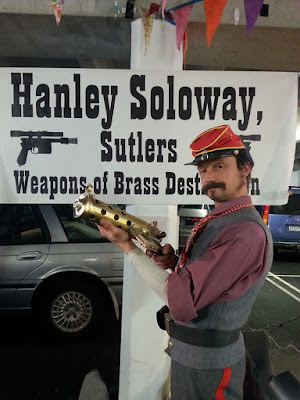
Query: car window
x: 77, y: 229
x: 189, y: 215
x: 292, y: 207
x: 208, y: 207
x: 20, y: 224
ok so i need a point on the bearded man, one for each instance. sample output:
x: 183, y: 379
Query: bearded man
x: 214, y: 283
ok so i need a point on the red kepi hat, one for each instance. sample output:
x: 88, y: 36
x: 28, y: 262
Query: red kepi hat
x: 218, y: 142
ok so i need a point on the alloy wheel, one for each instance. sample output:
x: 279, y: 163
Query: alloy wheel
x: 71, y: 311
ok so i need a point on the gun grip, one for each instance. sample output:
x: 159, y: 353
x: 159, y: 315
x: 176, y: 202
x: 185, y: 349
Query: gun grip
x: 22, y: 158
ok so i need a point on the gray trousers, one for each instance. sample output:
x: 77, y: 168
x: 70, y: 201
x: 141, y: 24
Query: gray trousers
x: 207, y: 384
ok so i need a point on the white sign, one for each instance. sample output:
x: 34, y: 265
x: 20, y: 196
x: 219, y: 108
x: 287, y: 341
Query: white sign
x: 128, y: 132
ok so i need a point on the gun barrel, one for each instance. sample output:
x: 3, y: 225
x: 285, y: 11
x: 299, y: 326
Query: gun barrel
x: 63, y: 140
x: 88, y: 207
x: 254, y: 138
x: 35, y: 134
x: 73, y: 140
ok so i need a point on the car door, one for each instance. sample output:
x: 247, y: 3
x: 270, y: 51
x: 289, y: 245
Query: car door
x: 24, y: 246
x: 78, y: 247
x: 284, y: 221
x: 86, y: 248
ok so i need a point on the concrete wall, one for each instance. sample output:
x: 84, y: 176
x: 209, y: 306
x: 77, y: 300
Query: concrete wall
x: 98, y: 38
x: 266, y: 48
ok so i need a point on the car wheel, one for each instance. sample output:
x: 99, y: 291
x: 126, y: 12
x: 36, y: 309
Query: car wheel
x: 72, y: 308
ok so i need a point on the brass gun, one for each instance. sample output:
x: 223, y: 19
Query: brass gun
x: 91, y: 209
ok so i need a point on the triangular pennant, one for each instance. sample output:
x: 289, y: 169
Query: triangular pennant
x: 57, y: 8
x: 252, y: 10
x: 163, y: 6
x: 148, y: 24
x: 213, y: 12
x: 181, y: 19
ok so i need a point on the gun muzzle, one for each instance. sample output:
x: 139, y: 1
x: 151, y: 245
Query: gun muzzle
x: 91, y: 209
x: 73, y: 140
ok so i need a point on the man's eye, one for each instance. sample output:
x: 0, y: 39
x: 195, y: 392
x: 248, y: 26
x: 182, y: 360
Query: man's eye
x: 202, y: 171
x: 220, y: 166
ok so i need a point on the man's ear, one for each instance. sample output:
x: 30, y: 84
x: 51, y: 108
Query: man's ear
x: 246, y: 169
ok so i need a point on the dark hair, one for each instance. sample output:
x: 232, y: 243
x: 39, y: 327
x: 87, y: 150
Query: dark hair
x: 241, y: 161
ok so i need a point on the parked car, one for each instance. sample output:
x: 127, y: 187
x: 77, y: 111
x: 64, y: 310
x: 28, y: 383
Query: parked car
x: 284, y: 222
x: 189, y: 215
x: 58, y: 266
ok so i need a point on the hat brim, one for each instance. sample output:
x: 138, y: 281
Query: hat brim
x: 221, y: 153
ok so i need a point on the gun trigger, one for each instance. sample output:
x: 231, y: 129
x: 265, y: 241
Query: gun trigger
x: 34, y: 150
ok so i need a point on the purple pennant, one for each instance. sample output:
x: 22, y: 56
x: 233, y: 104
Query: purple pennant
x: 252, y: 10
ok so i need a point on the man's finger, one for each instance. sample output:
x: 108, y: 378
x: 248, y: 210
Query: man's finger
x: 168, y: 250
x: 105, y: 223
x: 149, y: 253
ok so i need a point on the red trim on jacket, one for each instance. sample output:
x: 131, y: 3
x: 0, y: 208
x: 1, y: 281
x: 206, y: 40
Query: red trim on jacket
x: 223, y: 383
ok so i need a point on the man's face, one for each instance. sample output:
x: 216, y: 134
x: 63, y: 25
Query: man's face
x: 222, y: 180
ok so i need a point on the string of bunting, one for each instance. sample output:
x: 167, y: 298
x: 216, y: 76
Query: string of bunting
x: 213, y: 11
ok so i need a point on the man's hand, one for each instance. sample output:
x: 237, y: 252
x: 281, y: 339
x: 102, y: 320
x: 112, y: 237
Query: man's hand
x: 116, y: 235
x: 166, y: 259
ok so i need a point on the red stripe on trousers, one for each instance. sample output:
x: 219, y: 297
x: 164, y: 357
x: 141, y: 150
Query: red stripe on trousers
x: 223, y: 383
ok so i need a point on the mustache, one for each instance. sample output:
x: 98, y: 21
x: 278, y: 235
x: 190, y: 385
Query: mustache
x: 212, y: 185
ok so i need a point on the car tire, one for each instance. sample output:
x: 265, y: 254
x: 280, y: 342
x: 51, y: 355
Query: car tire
x: 275, y: 252
x: 72, y: 308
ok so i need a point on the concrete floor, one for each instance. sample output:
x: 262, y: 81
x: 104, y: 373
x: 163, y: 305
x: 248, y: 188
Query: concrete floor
x: 277, y: 311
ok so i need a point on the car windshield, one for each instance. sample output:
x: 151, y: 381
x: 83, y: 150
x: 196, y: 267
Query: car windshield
x: 292, y: 207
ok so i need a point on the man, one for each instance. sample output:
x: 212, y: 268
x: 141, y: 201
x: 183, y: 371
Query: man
x: 217, y: 277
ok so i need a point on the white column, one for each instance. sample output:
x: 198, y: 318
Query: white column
x: 144, y: 369
x: 162, y: 53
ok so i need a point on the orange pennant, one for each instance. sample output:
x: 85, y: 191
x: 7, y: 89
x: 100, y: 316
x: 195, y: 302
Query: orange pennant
x: 213, y: 12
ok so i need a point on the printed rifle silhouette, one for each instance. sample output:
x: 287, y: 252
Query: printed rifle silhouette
x: 247, y: 139
x: 39, y: 142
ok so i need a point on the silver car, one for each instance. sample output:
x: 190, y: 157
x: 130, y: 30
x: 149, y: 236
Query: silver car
x: 59, y: 267
x: 189, y: 215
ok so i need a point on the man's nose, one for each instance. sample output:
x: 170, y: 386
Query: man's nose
x: 209, y: 176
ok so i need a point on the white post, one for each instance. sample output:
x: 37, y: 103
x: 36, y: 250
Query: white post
x: 144, y: 369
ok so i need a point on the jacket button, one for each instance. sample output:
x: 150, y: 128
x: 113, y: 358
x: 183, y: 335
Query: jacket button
x: 170, y: 345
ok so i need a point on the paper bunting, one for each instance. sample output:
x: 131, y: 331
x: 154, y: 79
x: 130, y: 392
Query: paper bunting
x: 148, y: 24
x: 252, y: 10
x: 213, y: 11
x: 163, y: 6
x: 181, y: 19
x: 117, y: 9
x: 57, y: 7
